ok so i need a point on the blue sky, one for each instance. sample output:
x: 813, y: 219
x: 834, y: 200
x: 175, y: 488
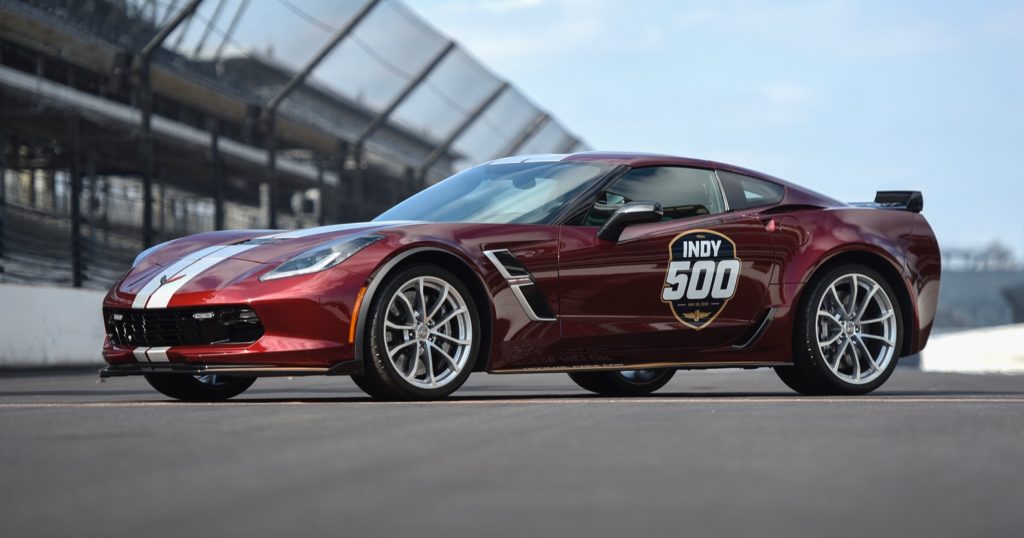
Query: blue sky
x: 845, y: 97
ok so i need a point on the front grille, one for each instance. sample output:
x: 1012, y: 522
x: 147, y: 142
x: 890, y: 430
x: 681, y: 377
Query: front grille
x: 182, y: 326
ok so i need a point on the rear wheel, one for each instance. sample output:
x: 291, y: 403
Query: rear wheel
x: 848, y: 336
x: 199, y: 388
x: 624, y: 382
x: 424, y: 336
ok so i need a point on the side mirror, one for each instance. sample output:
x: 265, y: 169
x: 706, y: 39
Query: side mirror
x: 629, y: 213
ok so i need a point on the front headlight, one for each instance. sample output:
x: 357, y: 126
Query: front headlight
x: 321, y: 258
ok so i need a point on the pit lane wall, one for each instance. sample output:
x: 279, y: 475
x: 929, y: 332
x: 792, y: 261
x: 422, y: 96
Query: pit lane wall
x: 978, y: 351
x: 50, y: 326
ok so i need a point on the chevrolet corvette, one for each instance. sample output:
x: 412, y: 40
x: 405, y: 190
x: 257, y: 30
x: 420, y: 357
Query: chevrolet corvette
x: 616, y: 268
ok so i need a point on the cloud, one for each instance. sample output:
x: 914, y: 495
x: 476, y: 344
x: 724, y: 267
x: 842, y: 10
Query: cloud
x: 836, y: 27
x: 789, y: 95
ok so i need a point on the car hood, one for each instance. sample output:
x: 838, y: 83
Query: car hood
x: 263, y: 246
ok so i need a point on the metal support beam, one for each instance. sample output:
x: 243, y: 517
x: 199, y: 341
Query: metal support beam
x: 161, y: 36
x: 402, y: 95
x: 144, y: 98
x: 570, y: 143
x: 539, y: 122
x: 216, y: 175
x: 210, y: 25
x: 272, y: 180
x: 345, y: 189
x: 75, y: 206
x: 338, y: 36
x: 321, y: 192
x: 270, y: 109
x: 231, y: 29
x: 443, y: 147
x: 3, y: 179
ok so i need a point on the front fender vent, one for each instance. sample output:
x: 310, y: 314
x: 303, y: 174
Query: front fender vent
x: 523, y: 286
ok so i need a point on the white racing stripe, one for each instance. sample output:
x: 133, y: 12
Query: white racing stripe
x: 158, y: 291
x: 370, y: 227
x: 157, y: 354
x: 144, y: 294
x: 162, y: 296
x: 140, y: 354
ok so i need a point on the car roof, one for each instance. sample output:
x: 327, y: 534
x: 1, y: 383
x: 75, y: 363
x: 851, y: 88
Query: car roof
x: 637, y: 160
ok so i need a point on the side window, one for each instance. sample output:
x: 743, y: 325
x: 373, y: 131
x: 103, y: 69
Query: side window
x: 744, y: 191
x: 682, y: 192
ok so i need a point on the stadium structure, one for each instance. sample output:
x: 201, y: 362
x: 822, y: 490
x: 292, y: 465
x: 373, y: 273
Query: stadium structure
x: 126, y: 123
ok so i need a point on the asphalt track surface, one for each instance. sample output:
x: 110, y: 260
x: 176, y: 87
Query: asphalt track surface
x: 728, y: 453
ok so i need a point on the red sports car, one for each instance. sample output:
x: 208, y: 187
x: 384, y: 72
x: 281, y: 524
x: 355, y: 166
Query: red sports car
x: 616, y: 268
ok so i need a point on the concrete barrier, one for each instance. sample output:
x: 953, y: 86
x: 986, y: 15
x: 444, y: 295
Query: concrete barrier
x: 44, y: 326
x: 978, y: 351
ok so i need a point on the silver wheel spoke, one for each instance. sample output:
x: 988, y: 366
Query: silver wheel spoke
x: 429, y: 361
x: 414, y: 362
x: 853, y: 297
x: 884, y: 317
x: 440, y: 302
x: 451, y: 338
x: 392, y: 325
x: 839, y: 355
x: 451, y: 361
x: 839, y: 301
x: 882, y: 339
x: 423, y: 299
x: 399, y: 347
x: 867, y: 302
x: 450, y: 316
x: 830, y: 316
x: 856, y: 362
x: 408, y: 305
x: 867, y: 353
x: 831, y: 341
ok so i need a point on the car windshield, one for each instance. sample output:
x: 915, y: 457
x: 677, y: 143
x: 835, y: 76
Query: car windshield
x: 502, y: 193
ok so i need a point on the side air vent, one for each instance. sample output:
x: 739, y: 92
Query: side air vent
x: 752, y: 335
x: 532, y: 296
x: 522, y: 284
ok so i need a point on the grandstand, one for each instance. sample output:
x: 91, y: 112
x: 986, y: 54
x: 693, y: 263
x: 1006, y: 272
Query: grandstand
x: 126, y: 123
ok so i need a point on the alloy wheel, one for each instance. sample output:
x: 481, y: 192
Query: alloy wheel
x: 856, y: 328
x: 428, y: 332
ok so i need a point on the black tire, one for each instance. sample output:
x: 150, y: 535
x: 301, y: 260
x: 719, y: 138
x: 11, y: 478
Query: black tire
x: 372, y: 386
x: 810, y: 374
x: 618, y: 384
x: 188, y: 388
x: 381, y: 379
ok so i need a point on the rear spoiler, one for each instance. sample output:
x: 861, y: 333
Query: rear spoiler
x: 912, y: 201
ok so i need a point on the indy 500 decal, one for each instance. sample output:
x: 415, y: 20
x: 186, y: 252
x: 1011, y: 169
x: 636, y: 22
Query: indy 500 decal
x: 703, y: 272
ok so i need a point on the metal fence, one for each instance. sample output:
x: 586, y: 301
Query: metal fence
x: 130, y: 122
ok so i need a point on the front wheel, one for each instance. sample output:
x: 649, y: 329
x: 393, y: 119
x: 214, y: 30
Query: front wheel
x: 848, y: 336
x: 424, y: 336
x: 624, y: 382
x: 199, y: 388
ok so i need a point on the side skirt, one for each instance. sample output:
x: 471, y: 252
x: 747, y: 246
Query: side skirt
x: 640, y: 366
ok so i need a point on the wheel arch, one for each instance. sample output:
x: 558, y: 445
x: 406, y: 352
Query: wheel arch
x: 892, y: 275
x: 442, y: 258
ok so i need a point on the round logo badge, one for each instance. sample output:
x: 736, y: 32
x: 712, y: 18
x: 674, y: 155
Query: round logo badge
x: 702, y: 275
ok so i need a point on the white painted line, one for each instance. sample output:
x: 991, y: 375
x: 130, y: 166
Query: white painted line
x: 525, y: 401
